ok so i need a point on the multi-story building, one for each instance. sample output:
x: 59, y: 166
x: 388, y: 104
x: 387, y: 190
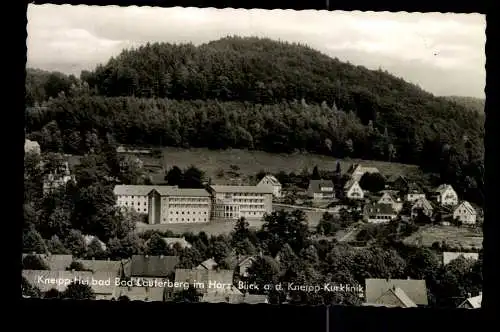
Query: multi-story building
x: 321, y: 190
x: 133, y: 197
x: 270, y: 180
x: 172, y: 205
x: 234, y: 202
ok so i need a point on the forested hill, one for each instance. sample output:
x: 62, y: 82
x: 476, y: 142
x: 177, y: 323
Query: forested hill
x: 256, y: 94
x: 472, y: 103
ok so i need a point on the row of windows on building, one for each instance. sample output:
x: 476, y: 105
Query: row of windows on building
x: 186, y: 206
x: 185, y: 219
x: 188, y: 212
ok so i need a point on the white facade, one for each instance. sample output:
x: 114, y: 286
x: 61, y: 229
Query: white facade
x: 133, y: 197
x: 465, y: 213
x: 423, y: 205
x: 186, y: 207
x: 413, y: 197
x: 354, y: 191
x: 270, y: 180
x: 446, y: 195
x: 234, y: 202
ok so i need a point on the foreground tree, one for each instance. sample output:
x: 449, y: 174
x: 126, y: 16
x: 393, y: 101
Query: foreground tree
x: 78, y: 291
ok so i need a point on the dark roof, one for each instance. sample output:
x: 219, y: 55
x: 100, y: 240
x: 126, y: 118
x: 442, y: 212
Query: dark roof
x: 152, y: 266
x: 316, y: 185
x: 416, y: 290
x: 379, y: 209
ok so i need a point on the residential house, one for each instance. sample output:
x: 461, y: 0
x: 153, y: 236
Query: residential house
x: 403, y: 293
x: 421, y: 205
x: 150, y: 267
x: 379, y: 213
x: 445, y: 195
x: 209, y: 264
x: 393, y: 297
x: 356, y: 171
x: 321, y: 190
x: 472, y: 302
x: 397, y: 182
x: 31, y: 146
x: 353, y: 190
x: 104, y: 289
x: 270, y: 180
x: 54, y: 262
x: 241, y: 264
x: 465, y: 213
x: 414, y: 193
x: 450, y: 256
x: 387, y: 198
x: 234, y: 202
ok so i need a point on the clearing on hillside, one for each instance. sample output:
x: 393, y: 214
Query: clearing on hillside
x: 217, y: 163
x: 455, y: 237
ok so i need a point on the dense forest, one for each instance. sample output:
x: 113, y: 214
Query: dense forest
x: 472, y: 103
x: 261, y: 94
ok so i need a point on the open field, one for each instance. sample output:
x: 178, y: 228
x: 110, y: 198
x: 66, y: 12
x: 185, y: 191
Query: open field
x: 453, y: 236
x: 219, y: 227
x: 251, y: 162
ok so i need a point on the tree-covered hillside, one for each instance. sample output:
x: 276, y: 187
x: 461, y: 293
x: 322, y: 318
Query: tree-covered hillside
x: 472, y: 103
x: 258, y: 94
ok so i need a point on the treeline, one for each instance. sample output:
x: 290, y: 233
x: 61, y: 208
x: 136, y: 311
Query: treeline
x: 74, y: 125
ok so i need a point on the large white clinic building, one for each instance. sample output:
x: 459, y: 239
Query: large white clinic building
x: 166, y: 204
x: 234, y: 202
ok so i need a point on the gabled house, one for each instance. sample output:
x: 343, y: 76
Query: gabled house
x: 421, y: 205
x: 394, y: 297
x: 356, y: 171
x: 445, y: 195
x: 472, y: 302
x: 414, y: 193
x: 379, y: 213
x: 450, y: 256
x: 241, y: 264
x: 397, y: 182
x: 353, y: 190
x: 209, y: 264
x: 403, y: 293
x: 271, y: 180
x: 150, y: 267
x: 321, y: 190
x: 387, y: 198
x: 465, y: 213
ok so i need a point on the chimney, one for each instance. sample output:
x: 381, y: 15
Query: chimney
x: 108, y: 259
x: 161, y: 256
x: 72, y: 270
x: 469, y: 295
x: 481, y: 293
x: 93, y: 258
x: 33, y: 253
x: 408, y: 278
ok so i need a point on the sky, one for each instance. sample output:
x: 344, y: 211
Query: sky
x: 442, y: 53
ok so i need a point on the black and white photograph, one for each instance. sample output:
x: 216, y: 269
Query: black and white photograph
x: 254, y: 156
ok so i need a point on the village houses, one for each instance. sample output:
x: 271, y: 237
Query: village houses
x: 379, y: 213
x: 402, y: 293
x: 321, y: 190
x: 465, y: 213
x: 445, y: 195
x: 472, y: 302
x: 421, y: 205
x: 414, y: 193
x: 270, y: 180
x: 387, y: 198
x: 353, y: 190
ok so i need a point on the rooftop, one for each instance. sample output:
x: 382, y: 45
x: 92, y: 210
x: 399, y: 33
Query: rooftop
x: 242, y: 189
x: 416, y: 290
x: 151, y: 266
